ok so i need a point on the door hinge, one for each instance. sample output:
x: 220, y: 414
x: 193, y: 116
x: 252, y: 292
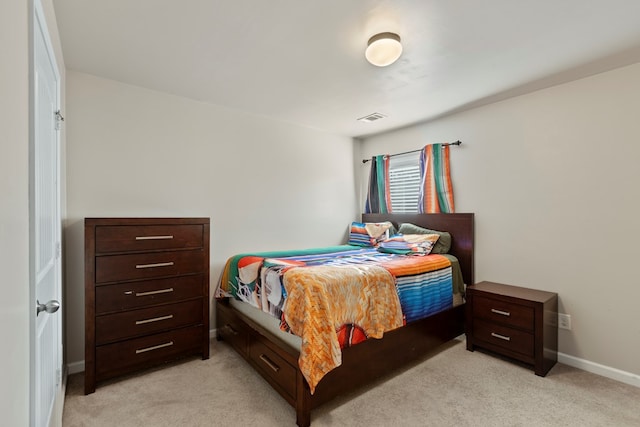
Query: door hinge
x: 58, y: 250
x: 59, y: 120
x: 58, y: 376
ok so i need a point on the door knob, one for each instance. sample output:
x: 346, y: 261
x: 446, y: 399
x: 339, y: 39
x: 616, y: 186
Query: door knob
x: 50, y: 307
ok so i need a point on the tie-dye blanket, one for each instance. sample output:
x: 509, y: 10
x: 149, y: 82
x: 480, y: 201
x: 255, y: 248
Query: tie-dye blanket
x: 321, y: 299
x: 325, y: 295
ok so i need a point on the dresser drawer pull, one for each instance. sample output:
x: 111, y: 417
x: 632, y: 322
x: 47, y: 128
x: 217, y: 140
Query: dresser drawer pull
x: 154, y: 237
x: 157, y: 264
x: 502, y: 337
x: 159, y: 291
x: 155, y: 319
x: 504, y: 313
x: 269, y: 363
x: 155, y: 347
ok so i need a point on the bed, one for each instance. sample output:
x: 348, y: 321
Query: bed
x: 276, y: 358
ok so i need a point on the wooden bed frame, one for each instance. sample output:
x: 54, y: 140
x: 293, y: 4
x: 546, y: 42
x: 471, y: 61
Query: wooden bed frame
x: 277, y: 362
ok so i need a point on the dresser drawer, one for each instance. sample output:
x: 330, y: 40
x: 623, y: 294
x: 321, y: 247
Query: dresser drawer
x: 126, y: 356
x: 114, y: 268
x: 273, y: 366
x: 126, y: 296
x: 114, y: 327
x: 122, y: 238
x: 502, y: 336
x: 511, y: 314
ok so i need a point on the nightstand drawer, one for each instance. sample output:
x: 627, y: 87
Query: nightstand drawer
x: 124, y: 238
x: 115, y: 268
x: 511, y: 314
x: 503, y: 336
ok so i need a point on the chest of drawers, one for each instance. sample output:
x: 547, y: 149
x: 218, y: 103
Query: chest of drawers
x: 146, y: 293
x: 516, y: 322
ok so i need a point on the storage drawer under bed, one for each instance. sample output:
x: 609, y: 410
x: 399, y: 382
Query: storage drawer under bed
x: 230, y: 329
x: 281, y: 373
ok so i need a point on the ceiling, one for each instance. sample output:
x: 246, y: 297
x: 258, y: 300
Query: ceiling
x: 303, y: 61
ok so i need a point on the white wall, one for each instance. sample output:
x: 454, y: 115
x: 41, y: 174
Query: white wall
x: 264, y: 184
x: 552, y: 177
x: 14, y: 212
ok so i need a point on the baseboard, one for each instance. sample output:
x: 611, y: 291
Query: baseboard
x: 75, y: 367
x: 576, y: 362
x: 598, y: 369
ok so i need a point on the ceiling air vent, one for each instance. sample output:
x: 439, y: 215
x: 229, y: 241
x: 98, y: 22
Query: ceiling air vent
x: 372, y: 117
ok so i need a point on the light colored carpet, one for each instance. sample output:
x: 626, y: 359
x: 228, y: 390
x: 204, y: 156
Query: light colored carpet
x: 452, y: 387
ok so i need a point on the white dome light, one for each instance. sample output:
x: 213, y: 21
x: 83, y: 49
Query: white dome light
x: 383, y: 49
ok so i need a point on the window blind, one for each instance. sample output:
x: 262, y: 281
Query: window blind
x: 404, y: 182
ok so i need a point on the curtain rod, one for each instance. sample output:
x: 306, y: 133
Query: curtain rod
x: 458, y: 142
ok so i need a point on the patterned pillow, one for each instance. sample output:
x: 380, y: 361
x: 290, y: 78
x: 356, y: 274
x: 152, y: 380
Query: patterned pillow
x: 368, y: 234
x: 442, y: 246
x: 409, y: 244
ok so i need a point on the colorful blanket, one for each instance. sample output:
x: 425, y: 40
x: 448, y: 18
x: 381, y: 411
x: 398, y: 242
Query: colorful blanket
x: 335, y: 297
x: 321, y: 299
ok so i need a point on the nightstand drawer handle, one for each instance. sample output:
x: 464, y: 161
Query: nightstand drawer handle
x: 157, y: 264
x: 159, y: 291
x: 155, y: 319
x: 269, y: 363
x: 155, y: 347
x: 153, y: 237
x: 504, y: 313
x: 502, y: 337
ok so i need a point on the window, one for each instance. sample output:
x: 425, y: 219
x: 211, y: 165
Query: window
x: 404, y: 182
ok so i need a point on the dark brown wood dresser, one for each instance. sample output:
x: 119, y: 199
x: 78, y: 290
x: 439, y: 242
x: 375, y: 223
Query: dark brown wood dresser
x: 146, y: 293
x: 516, y: 322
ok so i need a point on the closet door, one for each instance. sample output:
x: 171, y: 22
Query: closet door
x: 45, y: 256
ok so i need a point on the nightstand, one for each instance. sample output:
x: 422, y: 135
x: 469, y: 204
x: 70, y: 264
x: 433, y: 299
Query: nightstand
x: 516, y: 322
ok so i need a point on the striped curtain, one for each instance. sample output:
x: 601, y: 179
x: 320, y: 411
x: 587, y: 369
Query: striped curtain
x: 378, y: 195
x: 436, y: 191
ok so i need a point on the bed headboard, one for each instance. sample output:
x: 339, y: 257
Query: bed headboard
x: 460, y: 225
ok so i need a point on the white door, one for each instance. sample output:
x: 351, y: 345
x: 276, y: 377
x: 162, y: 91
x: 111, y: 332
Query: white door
x: 45, y: 262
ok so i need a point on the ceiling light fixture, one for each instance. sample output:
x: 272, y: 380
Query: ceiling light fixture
x: 383, y: 49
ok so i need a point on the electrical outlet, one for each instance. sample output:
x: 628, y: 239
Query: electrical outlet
x: 564, y: 321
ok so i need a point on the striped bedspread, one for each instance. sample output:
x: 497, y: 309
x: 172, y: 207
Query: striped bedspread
x: 338, y: 296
